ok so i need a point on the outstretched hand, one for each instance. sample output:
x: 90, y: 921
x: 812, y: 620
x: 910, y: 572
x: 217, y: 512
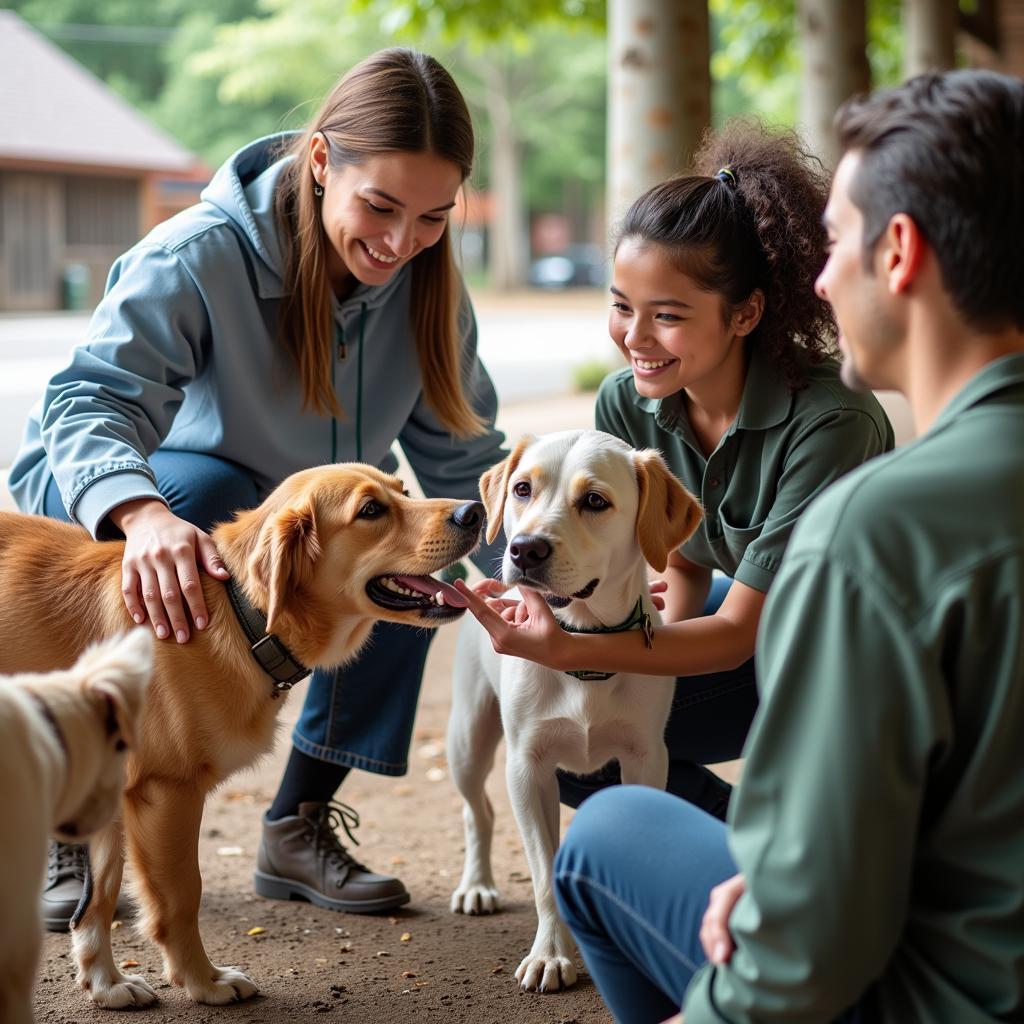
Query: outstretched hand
x: 523, y: 628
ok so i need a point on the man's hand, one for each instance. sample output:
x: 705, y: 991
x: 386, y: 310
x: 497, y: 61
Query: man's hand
x: 715, y: 936
x: 524, y: 628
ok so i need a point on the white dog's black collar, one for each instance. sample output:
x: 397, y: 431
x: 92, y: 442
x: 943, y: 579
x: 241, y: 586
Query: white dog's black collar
x: 274, y: 658
x: 638, y: 619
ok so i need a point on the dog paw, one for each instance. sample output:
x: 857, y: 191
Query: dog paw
x: 228, y: 985
x: 546, y: 973
x: 475, y: 899
x: 121, y: 992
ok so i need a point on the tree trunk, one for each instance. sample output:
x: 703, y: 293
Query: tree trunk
x: 929, y: 28
x: 659, y: 93
x: 506, y: 254
x: 833, y: 39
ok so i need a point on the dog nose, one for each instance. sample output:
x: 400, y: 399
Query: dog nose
x: 469, y: 516
x: 527, y: 552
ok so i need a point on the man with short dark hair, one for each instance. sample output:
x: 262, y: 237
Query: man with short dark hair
x: 874, y: 867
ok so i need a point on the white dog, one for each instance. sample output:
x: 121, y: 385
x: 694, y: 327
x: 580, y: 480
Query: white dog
x: 64, y: 738
x: 584, y: 515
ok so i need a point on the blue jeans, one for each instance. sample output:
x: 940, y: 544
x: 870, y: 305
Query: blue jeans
x: 709, y: 722
x: 632, y: 881
x: 360, y: 715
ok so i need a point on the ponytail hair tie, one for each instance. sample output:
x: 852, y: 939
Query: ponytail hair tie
x: 726, y: 174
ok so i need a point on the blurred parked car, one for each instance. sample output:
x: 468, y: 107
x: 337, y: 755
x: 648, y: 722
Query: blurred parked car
x: 581, y: 265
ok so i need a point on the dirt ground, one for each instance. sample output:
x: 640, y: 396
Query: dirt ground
x: 357, y: 968
x: 312, y: 964
x: 421, y: 963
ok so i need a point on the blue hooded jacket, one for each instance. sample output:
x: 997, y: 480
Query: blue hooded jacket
x: 182, y: 353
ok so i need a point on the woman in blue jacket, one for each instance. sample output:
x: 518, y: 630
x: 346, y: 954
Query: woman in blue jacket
x: 306, y: 310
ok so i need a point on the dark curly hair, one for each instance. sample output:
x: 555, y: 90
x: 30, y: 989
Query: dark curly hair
x: 757, y: 224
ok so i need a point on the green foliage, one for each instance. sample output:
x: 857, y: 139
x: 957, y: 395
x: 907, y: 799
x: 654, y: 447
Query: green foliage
x: 483, y: 22
x: 756, y: 62
x: 588, y: 376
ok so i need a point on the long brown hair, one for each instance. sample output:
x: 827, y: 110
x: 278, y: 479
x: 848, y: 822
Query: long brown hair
x: 396, y: 100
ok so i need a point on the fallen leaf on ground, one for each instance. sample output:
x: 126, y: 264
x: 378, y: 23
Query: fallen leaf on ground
x: 405, y: 937
x: 408, y: 974
x: 256, y: 931
x: 229, y: 851
x: 130, y: 963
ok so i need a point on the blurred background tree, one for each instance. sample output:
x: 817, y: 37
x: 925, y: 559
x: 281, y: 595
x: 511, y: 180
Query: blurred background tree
x: 535, y: 72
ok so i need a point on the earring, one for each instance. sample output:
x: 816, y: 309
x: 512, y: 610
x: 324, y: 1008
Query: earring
x: 318, y: 189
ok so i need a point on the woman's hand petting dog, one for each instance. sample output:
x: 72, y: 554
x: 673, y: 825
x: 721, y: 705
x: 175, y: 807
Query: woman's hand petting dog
x: 160, y: 570
x: 523, y: 628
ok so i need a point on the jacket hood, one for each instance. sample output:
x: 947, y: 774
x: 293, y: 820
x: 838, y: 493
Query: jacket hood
x: 243, y: 190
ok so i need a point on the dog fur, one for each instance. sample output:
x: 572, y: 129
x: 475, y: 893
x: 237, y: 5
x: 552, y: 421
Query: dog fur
x: 307, y: 557
x: 69, y: 783
x: 551, y: 719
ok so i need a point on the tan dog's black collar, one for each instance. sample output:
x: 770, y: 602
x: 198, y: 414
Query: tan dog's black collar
x: 274, y: 658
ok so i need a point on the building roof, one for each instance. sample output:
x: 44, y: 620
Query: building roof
x: 52, y: 110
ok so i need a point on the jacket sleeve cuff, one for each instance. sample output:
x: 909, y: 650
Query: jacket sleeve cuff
x: 698, y: 1007
x: 109, y: 491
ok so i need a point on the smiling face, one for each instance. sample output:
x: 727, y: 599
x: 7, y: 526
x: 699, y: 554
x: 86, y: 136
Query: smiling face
x: 335, y: 548
x: 381, y: 213
x: 675, y: 334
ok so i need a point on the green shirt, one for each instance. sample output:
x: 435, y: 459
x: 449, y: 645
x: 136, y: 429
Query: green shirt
x: 782, y: 450
x: 880, y: 820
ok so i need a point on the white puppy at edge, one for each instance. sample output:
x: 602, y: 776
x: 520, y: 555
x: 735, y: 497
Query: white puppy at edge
x: 584, y: 514
x: 64, y: 738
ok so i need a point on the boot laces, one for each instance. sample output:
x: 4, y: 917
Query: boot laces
x: 65, y: 860
x: 330, y: 817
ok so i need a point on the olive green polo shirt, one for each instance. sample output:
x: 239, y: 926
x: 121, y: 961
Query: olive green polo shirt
x: 880, y: 820
x: 780, y: 452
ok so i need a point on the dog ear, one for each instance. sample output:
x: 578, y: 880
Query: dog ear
x: 494, y: 486
x: 668, y: 512
x: 287, y: 549
x: 119, y: 671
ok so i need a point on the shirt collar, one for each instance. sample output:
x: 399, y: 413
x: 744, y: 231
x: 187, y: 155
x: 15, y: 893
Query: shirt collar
x: 1001, y: 373
x: 766, y: 400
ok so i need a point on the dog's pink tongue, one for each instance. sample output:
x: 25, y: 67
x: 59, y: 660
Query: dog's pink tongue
x: 428, y: 585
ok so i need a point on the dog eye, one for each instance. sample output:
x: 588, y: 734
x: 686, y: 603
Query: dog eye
x: 522, y: 489
x: 371, y: 510
x: 594, y: 502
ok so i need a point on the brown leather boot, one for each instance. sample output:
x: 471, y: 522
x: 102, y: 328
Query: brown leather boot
x: 301, y: 858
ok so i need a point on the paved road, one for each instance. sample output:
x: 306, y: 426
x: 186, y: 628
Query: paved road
x: 530, y: 343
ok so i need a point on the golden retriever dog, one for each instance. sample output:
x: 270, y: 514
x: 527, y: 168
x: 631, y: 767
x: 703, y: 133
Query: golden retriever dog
x: 329, y: 552
x: 585, y: 515
x: 64, y: 738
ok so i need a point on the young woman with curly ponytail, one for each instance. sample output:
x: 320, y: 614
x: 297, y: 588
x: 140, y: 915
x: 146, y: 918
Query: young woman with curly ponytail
x: 730, y: 376
x: 307, y: 310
